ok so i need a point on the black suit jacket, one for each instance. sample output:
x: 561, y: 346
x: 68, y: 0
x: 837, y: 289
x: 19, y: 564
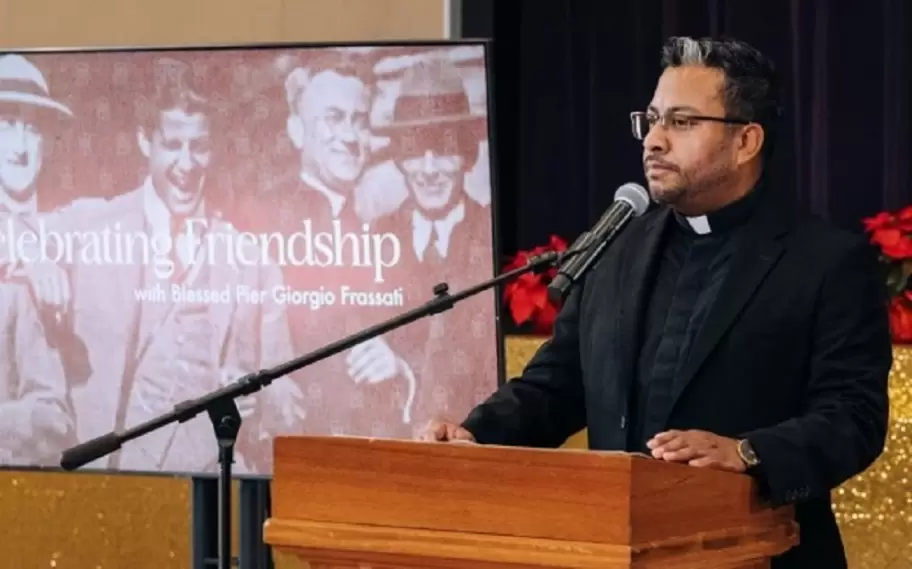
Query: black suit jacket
x: 794, y: 356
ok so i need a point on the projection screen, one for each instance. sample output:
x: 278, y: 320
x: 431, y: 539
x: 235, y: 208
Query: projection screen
x: 173, y: 219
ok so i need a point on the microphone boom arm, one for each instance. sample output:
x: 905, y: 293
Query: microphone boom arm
x: 223, y: 411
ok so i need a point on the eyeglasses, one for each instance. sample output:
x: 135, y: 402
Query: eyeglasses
x: 642, y: 122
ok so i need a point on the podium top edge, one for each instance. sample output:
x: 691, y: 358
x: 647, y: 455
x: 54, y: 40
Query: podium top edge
x: 333, y: 440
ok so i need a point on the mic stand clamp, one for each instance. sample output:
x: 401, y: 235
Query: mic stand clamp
x: 223, y: 411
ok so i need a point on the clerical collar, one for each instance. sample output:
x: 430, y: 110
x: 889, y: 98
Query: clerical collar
x: 721, y: 220
x: 335, y: 199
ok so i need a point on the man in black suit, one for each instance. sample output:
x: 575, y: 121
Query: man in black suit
x: 721, y: 330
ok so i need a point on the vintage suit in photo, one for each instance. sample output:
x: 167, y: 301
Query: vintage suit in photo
x: 449, y: 351
x: 144, y: 357
x: 334, y: 402
x: 35, y: 415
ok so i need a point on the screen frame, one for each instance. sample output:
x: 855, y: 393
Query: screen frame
x: 485, y: 43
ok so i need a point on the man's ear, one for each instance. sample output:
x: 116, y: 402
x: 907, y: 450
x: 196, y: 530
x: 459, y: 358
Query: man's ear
x: 750, y: 143
x: 145, y: 145
x: 295, y: 131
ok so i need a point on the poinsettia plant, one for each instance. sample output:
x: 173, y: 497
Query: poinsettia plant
x: 526, y: 297
x: 892, y: 233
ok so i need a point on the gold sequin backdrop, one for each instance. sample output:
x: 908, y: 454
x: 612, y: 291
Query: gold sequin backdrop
x: 83, y: 521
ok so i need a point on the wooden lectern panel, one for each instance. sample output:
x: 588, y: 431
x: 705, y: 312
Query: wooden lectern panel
x: 383, y: 504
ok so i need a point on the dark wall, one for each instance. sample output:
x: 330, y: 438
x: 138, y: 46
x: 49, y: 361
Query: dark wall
x: 566, y: 75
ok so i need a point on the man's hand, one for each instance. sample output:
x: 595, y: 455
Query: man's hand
x: 286, y: 406
x: 445, y: 432
x: 51, y: 428
x: 36, y: 429
x: 49, y: 282
x: 281, y: 405
x: 372, y: 361
x: 247, y: 404
x: 48, y: 419
x: 697, y: 448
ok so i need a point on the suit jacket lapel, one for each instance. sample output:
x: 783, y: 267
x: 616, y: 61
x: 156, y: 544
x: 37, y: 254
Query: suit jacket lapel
x: 131, y: 216
x: 758, y: 251
x: 635, y: 289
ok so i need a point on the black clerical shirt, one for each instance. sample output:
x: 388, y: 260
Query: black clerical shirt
x: 693, y: 264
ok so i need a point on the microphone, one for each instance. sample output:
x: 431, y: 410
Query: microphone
x: 629, y: 200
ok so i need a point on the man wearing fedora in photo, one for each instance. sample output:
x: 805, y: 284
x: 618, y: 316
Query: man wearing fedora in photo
x: 434, y: 141
x: 26, y: 110
x: 35, y: 416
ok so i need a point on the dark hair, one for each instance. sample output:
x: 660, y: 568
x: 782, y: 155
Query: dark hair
x: 751, y: 88
x: 173, y: 88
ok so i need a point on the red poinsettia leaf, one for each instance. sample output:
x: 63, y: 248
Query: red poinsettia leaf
x: 539, y: 297
x: 527, y: 295
x: 882, y: 220
x: 886, y: 237
x: 893, y: 243
x: 522, y: 306
x: 516, y: 261
x: 509, y: 290
x: 528, y: 280
x: 902, y: 249
x: 901, y: 320
x: 557, y: 244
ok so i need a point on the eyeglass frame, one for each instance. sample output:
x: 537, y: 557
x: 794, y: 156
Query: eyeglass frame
x: 664, y: 118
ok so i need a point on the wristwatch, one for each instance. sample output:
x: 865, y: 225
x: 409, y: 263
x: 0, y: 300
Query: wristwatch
x: 747, y: 454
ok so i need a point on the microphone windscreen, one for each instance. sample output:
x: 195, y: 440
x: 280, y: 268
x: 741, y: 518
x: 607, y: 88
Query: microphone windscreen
x: 634, y: 194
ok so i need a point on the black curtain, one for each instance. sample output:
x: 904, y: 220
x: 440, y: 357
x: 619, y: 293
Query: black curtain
x: 567, y: 73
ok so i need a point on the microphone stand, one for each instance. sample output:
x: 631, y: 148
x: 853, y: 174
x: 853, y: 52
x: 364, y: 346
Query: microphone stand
x: 226, y: 418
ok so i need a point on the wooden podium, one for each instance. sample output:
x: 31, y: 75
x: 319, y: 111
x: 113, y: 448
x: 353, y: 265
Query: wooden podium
x: 381, y: 504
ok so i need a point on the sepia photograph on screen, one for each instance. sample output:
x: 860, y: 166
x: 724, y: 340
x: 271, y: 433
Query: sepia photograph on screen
x: 173, y: 220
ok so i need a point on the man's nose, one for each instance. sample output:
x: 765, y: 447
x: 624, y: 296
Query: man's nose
x: 185, y: 159
x: 429, y: 162
x: 656, y: 140
x: 347, y: 134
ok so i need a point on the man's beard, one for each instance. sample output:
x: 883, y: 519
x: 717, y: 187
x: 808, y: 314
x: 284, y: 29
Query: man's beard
x: 667, y: 196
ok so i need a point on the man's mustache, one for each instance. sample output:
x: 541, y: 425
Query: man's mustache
x: 658, y: 163
x: 352, y: 149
